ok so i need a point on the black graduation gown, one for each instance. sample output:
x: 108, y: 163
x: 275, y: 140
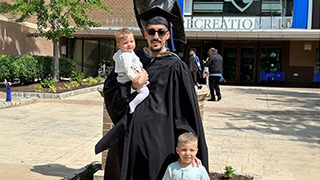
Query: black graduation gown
x: 142, y: 145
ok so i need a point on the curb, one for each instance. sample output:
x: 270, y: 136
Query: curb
x: 26, y: 98
x: 55, y: 95
x: 18, y: 101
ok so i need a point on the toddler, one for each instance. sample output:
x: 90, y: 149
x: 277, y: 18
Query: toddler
x: 125, y: 59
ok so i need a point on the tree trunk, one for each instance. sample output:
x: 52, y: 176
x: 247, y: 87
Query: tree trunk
x: 56, y: 71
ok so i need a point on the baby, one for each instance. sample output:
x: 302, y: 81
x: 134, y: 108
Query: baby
x: 187, y: 149
x: 125, y: 59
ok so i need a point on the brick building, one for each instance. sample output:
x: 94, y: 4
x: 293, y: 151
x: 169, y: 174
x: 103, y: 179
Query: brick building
x: 267, y: 42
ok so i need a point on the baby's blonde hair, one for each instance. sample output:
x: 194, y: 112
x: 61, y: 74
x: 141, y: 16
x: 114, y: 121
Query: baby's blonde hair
x: 122, y: 34
x: 187, y: 137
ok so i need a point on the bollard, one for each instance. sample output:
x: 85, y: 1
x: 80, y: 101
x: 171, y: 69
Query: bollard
x: 8, y: 84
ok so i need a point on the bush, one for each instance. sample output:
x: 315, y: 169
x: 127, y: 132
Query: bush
x: 28, y: 67
x: 6, y: 68
x: 90, y: 80
x: 66, y: 67
x: 52, y: 89
x: 74, y: 83
x: 37, y: 87
x: 67, y: 86
x: 25, y: 69
x: 45, y: 66
x: 46, y: 83
x: 99, y: 79
x: 77, y: 76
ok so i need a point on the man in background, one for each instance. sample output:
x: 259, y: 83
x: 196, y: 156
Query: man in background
x: 195, y: 67
x: 215, y: 64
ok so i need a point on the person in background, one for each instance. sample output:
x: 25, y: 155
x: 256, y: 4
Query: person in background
x: 125, y: 61
x: 205, y: 74
x: 215, y: 65
x: 195, y: 67
x: 187, y: 149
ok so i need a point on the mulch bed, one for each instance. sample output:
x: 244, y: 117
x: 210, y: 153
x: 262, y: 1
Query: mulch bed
x: 213, y: 176
x: 216, y: 176
x: 60, y: 87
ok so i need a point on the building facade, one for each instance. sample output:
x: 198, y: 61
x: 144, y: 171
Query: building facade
x: 263, y: 42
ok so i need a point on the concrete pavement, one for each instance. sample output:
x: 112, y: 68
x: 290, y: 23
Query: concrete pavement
x: 50, y: 139
x: 271, y: 132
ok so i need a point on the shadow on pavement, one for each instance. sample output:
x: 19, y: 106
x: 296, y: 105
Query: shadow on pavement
x: 296, y: 126
x: 53, y: 170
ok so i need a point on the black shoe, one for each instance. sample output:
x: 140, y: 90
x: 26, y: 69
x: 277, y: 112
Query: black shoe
x: 199, y: 87
x: 211, y: 99
x: 219, y: 98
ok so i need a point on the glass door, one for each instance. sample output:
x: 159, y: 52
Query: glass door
x: 229, y: 63
x: 239, y: 63
x: 247, y: 64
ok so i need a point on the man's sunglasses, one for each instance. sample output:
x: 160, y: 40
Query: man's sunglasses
x: 160, y: 32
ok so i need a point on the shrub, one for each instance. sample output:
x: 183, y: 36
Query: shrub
x: 52, y: 89
x: 67, y: 86
x: 90, y: 80
x: 77, y: 76
x: 66, y: 67
x: 46, y: 83
x: 37, y: 87
x: 28, y: 67
x: 44, y: 66
x: 75, y: 83
x: 6, y: 68
x: 99, y: 79
x: 24, y: 68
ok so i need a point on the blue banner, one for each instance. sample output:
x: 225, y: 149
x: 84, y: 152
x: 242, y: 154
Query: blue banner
x: 181, y: 5
x: 271, y: 76
x: 300, y: 14
x: 316, y: 77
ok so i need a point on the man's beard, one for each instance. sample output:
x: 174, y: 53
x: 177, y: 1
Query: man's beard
x: 156, y: 49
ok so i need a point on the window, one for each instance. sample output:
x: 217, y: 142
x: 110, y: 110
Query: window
x: 238, y: 7
x: 75, y: 52
x: 270, y: 59
x: 270, y: 65
x: 207, y: 7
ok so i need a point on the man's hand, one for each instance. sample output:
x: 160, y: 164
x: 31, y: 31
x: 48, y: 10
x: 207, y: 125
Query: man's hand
x: 140, y: 80
x: 198, y: 161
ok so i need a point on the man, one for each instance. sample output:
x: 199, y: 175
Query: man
x: 142, y: 145
x: 215, y: 64
x: 195, y: 67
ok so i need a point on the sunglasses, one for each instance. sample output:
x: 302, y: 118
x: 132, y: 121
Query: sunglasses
x: 160, y: 32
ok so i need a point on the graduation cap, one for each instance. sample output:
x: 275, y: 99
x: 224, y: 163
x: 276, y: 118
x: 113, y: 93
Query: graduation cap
x: 157, y: 15
x: 163, y: 12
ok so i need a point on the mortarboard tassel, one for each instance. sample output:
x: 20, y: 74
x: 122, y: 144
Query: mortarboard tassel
x: 173, y: 47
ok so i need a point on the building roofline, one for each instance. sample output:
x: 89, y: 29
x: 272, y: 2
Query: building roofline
x: 272, y: 34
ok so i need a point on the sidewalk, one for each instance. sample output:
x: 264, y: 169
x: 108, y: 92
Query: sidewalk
x: 271, y: 132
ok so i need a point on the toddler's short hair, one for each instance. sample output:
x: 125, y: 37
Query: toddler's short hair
x: 187, y: 137
x: 122, y: 34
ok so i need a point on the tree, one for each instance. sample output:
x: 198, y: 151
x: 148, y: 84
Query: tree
x: 54, y: 18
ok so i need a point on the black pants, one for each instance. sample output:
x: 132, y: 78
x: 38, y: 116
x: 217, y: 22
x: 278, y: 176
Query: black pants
x: 214, y: 86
